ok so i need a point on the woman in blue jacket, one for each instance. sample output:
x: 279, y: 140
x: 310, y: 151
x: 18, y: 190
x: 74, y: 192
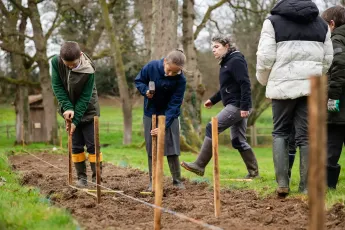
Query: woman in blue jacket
x: 170, y: 85
x: 235, y: 94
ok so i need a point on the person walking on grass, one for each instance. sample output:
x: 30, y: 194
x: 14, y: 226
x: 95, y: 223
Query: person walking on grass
x: 170, y: 85
x: 73, y: 83
x: 294, y: 45
x: 235, y: 93
x: 335, y: 17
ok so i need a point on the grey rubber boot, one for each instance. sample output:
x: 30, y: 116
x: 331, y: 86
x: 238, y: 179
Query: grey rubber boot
x: 175, y: 170
x: 80, y: 167
x: 204, y: 157
x: 281, y: 165
x: 93, y: 169
x: 251, y: 163
x: 303, y: 170
x: 149, y: 161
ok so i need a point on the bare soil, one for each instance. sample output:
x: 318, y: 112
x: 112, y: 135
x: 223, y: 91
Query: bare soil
x: 239, y: 209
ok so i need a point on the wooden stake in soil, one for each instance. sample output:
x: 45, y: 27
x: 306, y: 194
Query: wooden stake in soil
x: 215, y: 167
x: 22, y: 129
x: 68, y: 123
x: 317, y: 110
x: 97, y: 152
x: 159, y: 171
x: 154, y: 152
x: 60, y: 134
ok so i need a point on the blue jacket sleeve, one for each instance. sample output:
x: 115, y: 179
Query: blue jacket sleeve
x: 142, y: 80
x: 173, y: 110
x: 240, y: 73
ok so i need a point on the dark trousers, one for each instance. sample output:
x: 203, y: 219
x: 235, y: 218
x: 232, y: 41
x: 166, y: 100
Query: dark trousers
x: 288, y: 114
x: 84, y: 136
x: 335, y: 142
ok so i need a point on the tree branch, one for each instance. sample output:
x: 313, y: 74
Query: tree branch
x: 207, y: 17
x: 8, y: 49
x: 102, y: 54
x: 8, y: 80
x: 238, y: 7
x: 54, y: 24
x: 20, y: 7
x: 19, y: 34
x: 216, y: 24
x: 4, y: 10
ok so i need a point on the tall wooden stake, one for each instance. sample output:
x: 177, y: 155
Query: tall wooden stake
x: 215, y: 167
x: 159, y: 171
x: 22, y: 129
x: 154, y: 152
x: 69, y: 153
x: 97, y: 152
x: 60, y: 134
x: 317, y: 151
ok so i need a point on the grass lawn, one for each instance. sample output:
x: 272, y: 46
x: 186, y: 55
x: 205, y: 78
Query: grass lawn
x: 231, y: 166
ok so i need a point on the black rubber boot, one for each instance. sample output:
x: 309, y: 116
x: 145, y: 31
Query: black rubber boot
x: 80, y: 167
x: 175, y: 170
x: 249, y: 159
x: 303, y: 170
x: 333, y: 176
x: 281, y: 165
x: 204, y: 157
x: 93, y: 169
x: 291, y: 161
x: 149, y: 161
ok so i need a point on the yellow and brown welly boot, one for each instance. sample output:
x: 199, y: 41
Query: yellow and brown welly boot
x: 80, y: 166
x: 92, y: 160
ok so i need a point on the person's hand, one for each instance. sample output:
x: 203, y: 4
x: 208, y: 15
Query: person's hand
x: 154, y: 132
x: 333, y: 105
x: 148, y: 94
x: 68, y: 115
x: 208, y: 104
x: 73, y: 127
x: 244, y: 114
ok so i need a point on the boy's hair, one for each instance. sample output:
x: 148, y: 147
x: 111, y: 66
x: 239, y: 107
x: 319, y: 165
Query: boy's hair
x: 335, y: 13
x: 176, y: 57
x: 224, y: 40
x: 70, y: 51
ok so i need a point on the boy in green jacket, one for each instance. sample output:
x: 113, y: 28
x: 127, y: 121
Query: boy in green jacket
x: 73, y: 83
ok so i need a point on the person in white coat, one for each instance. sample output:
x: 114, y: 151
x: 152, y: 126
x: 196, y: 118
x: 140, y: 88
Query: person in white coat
x: 294, y: 45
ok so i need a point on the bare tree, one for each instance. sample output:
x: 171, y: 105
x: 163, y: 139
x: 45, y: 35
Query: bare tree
x: 120, y: 72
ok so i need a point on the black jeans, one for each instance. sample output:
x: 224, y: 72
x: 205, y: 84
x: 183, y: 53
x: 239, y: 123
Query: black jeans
x: 84, y: 135
x: 289, y: 113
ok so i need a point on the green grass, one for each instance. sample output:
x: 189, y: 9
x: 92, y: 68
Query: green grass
x: 24, y: 207
x: 231, y: 164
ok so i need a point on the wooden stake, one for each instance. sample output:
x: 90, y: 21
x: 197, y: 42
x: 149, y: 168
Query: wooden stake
x: 154, y: 153
x: 69, y: 153
x: 317, y: 115
x: 97, y: 152
x: 215, y: 167
x: 22, y: 129
x: 60, y: 132
x: 159, y: 172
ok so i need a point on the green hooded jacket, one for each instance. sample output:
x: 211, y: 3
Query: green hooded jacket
x: 75, y: 89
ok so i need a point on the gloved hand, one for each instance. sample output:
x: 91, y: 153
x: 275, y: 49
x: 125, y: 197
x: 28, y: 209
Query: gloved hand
x: 333, y: 105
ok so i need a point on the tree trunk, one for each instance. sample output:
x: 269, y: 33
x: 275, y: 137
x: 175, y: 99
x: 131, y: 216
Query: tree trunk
x: 121, y: 76
x: 145, y: 17
x: 50, y: 121
x: 164, y: 28
x: 191, y: 108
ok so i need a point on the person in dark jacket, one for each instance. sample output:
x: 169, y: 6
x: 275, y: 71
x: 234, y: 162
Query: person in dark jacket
x: 170, y: 85
x: 73, y: 83
x: 335, y: 17
x: 294, y: 45
x: 235, y: 93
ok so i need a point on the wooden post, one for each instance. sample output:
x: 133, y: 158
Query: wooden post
x: 317, y: 115
x: 69, y: 153
x: 97, y: 152
x: 159, y: 171
x: 215, y: 167
x: 22, y: 134
x: 154, y: 152
x: 60, y: 133
x: 7, y: 132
